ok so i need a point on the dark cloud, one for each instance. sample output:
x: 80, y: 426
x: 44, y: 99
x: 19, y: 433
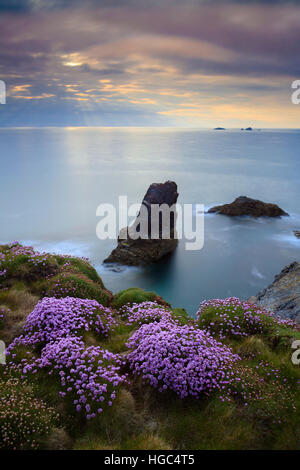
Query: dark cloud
x: 85, y: 68
x: 138, y: 48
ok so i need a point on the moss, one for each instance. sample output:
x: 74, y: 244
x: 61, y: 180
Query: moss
x: 81, y: 266
x: 73, y: 285
x: 135, y: 295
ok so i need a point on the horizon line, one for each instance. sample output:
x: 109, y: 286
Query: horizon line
x: 148, y: 127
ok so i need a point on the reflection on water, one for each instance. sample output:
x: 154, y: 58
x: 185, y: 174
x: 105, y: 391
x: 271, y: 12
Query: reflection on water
x: 52, y: 180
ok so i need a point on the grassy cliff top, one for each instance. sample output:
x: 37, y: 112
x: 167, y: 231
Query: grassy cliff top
x: 89, y: 370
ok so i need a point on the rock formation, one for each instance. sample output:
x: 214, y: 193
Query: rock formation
x: 283, y: 296
x: 134, y: 252
x: 244, y: 205
x: 297, y: 233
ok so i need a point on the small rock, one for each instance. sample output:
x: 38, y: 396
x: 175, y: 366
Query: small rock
x: 297, y: 233
x: 244, y: 205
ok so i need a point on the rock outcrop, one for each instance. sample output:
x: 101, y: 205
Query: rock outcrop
x: 135, y: 252
x: 297, y: 233
x: 283, y: 296
x: 244, y: 205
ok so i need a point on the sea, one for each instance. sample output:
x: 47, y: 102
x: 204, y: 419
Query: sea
x: 53, y: 179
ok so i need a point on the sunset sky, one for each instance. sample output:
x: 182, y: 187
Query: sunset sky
x: 185, y: 63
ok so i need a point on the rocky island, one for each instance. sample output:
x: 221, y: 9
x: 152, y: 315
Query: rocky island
x: 244, y: 205
x: 297, y: 233
x: 141, y: 251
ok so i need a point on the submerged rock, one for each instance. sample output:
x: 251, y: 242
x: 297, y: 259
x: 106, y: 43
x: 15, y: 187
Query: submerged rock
x: 135, y: 252
x: 244, y: 205
x: 283, y: 296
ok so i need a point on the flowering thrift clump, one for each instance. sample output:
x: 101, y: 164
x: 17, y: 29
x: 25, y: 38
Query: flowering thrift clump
x: 236, y: 318
x: 180, y: 358
x: 146, y: 312
x: 89, y: 375
x: 24, y: 419
x: 15, y: 255
x: 66, y: 284
x: 54, y: 318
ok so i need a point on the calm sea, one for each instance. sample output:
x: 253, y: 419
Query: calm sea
x: 52, y: 180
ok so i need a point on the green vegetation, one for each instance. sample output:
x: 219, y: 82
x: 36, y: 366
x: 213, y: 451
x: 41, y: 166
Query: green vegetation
x: 263, y: 411
x: 135, y: 295
x: 25, y: 420
x: 73, y: 284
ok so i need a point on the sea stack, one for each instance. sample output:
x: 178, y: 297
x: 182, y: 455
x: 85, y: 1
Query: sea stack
x: 244, y: 205
x: 141, y: 251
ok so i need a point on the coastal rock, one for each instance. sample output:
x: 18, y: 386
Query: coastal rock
x: 283, y: 296
x: 297, y: 233
x: 140, y: 251
x: 244, y: 205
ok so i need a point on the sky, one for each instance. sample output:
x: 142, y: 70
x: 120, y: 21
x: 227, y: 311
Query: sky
x: 191, y: 63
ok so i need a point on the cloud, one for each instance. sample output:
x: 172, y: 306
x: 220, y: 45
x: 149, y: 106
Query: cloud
x: 161, y: 60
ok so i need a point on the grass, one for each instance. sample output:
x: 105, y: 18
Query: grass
x: 116, y: 342
x: 135, y: 295
x: 25, y: 421
x: 142, y: 418
x: 46, y: 274
x: 73, y: 285
x: 20, y: 303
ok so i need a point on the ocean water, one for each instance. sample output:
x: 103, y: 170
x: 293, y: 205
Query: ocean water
x: 53, y: 179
